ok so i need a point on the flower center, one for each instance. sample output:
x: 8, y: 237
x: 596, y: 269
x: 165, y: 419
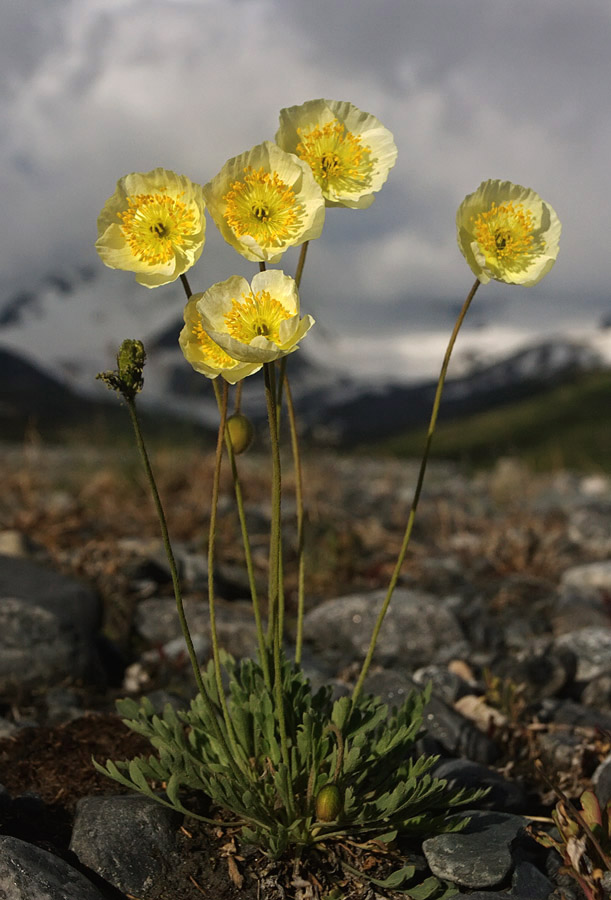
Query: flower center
x: 256, y: 314
x: 263, y: 207
x: 155, y: 224
x: 214, y: 354
x: 505, y: 235
x: 338, y: 158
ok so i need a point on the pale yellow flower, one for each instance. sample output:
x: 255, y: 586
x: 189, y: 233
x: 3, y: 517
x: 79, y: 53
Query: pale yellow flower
x: 508, y: 233
x: 204, y: 354
x: 349, y: 151
x: 265, y: 201
x: 256, y: 322
x: 153, y: 225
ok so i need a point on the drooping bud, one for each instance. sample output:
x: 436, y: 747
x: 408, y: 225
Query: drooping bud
x: 329, y: 803
x: 241, y: 432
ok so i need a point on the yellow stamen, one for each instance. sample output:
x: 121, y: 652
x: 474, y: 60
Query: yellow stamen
x: 256, y: 314
x: 215, y: 355
x: 338, y: 158
x: 154, y: 225
x: 505, y: 235
x: 263, y: 207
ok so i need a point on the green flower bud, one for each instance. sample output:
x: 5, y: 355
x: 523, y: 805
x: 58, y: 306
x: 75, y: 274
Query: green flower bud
x: 329, y: 803
x: 241, y: 432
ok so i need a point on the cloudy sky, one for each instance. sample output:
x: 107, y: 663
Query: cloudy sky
x: 471, y: 89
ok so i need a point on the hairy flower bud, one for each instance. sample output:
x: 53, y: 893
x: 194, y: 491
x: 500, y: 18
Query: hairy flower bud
x: 128, y: 377
x: 329, y: 803
x: 241, y: 432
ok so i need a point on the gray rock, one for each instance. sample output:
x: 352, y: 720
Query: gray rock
x: 129, y: 841
x: 510, y: 796
x: 568, y: 712
x: 47, y: 626
x: 592, y: 647
x: 598, y: 692
x: 29, y: 873
x: 479, y: 856
x: 602, y: 781
x: 592, y: 575
x: 416, y: 630
x: 445, y: 684
x: 542, y: 669
x: 451, y: 730
x: 530, y: 883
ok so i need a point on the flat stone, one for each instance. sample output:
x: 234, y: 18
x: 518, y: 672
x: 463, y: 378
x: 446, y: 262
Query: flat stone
x: 29, y: 873
x: 128, y: 840
x: 479, y: 856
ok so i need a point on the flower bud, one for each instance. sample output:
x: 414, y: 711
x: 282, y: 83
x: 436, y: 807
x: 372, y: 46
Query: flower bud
x: 130, y: 363
x: 241, y: 432
x: 329, y: 803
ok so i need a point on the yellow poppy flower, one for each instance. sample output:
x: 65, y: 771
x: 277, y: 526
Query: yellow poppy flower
x: 257, y: 322
x: 153, y: 225
x: 508, y: 233
x: 265, y: 201
x: 204, y: 354
x: 349, y: 151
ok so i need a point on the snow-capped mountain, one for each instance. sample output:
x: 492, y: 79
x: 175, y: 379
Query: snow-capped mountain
x: 69, y: 328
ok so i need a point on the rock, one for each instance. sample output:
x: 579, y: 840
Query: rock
x: 509, y: 796
x: 531, y: 884
x: 127, y: 840
x: 602, y: 781
x: 417, y: 630
x: 543, y: 669
x: 479, y: 856
x: 29, y: 873
x: 568, y: 712
x: 47, y: 627
x: 455, y: 734
x: 446, y: 684
x: 593, y: 575
x: 592, y: 647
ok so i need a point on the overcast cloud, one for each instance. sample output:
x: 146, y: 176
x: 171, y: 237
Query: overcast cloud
x: 472, y: 89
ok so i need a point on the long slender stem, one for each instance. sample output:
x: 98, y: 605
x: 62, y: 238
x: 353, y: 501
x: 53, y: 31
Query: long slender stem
x: 186, y: 285
x: 211, y: 598
x: 237, y: 486
x: 276, y: 512
x: 300, y: 520
x: 275, y: 616
x: 175, y: 579
x: 412, y: 513
x: 301, y: 263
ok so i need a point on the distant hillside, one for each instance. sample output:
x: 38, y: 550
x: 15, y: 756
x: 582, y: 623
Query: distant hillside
x: 31, y: 399
x: 568, y: 425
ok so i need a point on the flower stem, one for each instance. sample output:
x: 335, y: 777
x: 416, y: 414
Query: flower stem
x: 412, y: 513
x: 246, y: 541
x: 300, y: 520
x: 186, y: 285
x: 131, y: 405
x: 301, y: 263
x: 211, y: 599
x: 274, y: 633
